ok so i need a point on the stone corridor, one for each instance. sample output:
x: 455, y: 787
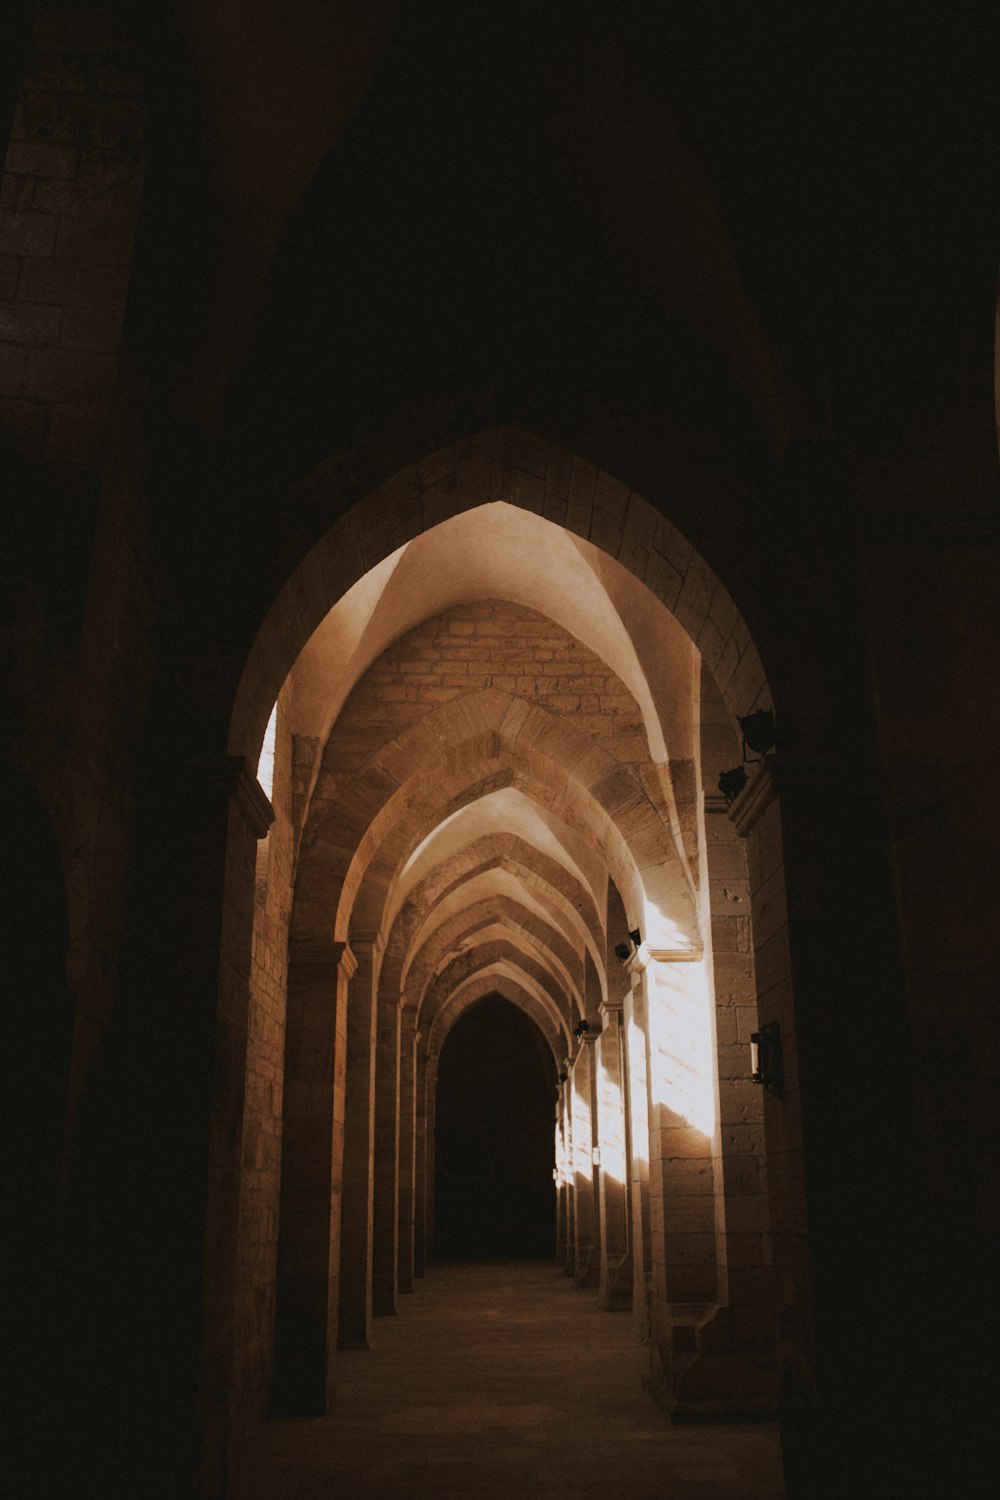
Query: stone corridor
x: 499, y: 562
x: 501, y: 1380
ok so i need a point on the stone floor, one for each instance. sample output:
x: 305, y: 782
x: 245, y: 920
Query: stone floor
x: 502, y: 1381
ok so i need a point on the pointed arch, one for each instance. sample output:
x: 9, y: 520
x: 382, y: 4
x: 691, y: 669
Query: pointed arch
x: 495, y: 981
x: 518, y: 469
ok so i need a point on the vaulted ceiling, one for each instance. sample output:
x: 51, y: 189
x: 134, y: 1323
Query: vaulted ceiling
x: 494, y: 723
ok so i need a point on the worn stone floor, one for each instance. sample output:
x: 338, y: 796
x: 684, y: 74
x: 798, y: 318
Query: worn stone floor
x: 501, y: 1380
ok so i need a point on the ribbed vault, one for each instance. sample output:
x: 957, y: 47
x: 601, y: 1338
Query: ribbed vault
x: 495, y: 980
x: 493, y: 723
x: 339, y: 608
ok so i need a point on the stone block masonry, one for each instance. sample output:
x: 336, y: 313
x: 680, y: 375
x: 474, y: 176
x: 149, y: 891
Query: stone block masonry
x: 70, y: 198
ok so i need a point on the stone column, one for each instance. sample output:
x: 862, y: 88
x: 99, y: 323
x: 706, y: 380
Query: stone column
x: 586, y: 1254
x: 569, y: 1172
x: 424, y: 1170
x: 312, y: 1153
x: 681, y: 1081
x: 226, y: 800
x: 407, y: 1152
x: 386, y: 1230
x: 637, y: 1103
x: 615, y: 1287
x: 746, y: 1326
x: 429, y: 1153
x: 561, y: 1172
x: 757, y: 817
x: 153, y: 1212
x: 357, y: 1212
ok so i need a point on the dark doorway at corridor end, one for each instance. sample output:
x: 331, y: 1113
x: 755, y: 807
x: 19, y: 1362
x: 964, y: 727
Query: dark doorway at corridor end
x: 494, y: 1193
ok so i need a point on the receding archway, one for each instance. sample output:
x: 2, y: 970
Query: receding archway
x: 517, y: 469
x: 387, y: 774
x: 494, y: 1196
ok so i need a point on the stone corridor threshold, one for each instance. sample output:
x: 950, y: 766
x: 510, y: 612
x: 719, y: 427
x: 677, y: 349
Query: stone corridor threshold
x: 502, y: 1380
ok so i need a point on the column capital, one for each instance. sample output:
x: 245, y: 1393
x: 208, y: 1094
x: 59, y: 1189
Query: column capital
x: 367, y: 944
x: 347, y: 961
x: 716, y: 803
x: 775, y: 776
x: 646, y: 954
x: 676, y: 955
x: 611, y: 1010
x: 754, y: 800
x: 230, y: 777
x: 320, y: 952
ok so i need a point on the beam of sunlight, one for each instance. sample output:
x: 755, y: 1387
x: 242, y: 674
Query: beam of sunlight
x: 564, y: 1170
x: 610, y: 1119
x: 681, y: 1053
x: 265, y: 766
x: 635, y: 1058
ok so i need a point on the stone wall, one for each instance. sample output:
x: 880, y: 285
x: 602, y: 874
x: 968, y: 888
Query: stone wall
x: 482, y: 645
x: 76, y: 562
x: 71, y: 189
x: 261, y: 1169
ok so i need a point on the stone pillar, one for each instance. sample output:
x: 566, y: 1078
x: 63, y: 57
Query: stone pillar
x: 569, y: 1172
x: 429, y: 1153
x: 637, y: 1104
x: 424, y: 1170
x: 615, y: 1288
x: 407, y: 1152
x: 386, y: 1230
x: 681, y: 1083
x: 561, y: 1180
x: 745, y: 1328
x: 312, y: 1154
x: 757, y: 818
x: 153, y: 1209
x: 357, y: 1212
x: 224, y: 796
x: 586, y: 1254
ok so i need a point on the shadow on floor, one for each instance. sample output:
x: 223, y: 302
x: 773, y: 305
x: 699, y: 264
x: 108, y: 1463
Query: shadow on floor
x: 501, y: 1380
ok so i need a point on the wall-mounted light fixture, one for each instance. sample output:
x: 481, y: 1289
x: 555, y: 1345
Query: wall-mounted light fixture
x: 625, y: 951
x: 562, y: 1077
x: 758, y: 731
x: 581, y: 1029
x: 731, y: 783
x: 759, y: 735
x: 766, y: 1062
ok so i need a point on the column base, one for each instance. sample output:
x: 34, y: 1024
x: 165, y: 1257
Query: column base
x: 303, y: 1385
x: 359, y: 1341
x: 728, y: 1411
x: 615, y: 1294
x: 587, y: 1271
x: 718, y: 1367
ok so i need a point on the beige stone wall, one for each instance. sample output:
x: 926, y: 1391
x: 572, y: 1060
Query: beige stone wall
x: 481, y: 645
